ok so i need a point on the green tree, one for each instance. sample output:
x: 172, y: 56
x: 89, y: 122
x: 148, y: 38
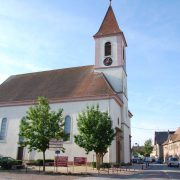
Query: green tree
x: 138, y: 150
x: 148, y: 147
x: 40, y: 125
x: 95, y: 132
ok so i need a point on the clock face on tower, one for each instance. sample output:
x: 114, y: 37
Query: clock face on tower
x: 107, y: 61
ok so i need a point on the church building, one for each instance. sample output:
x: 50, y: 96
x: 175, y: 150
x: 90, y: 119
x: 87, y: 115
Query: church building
x: 104, y: 83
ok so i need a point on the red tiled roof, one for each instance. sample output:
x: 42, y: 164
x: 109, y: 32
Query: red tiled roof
x: 109, y: 25
x: 177, y: 131
x: 55, y: 84
x: 173, y: 137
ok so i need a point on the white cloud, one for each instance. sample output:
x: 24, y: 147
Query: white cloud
x: 17, y: 63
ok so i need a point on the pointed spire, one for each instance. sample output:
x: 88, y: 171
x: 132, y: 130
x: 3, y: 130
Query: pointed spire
x: 110, y: 2
x: 109, y: 25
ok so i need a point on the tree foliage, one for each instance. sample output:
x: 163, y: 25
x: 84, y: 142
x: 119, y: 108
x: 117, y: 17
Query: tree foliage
x: 138, y: 150
x: 95, y: 131
x: 148, y: 147
x: 40, y: 125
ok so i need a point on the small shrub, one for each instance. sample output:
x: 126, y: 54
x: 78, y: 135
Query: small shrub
x: 129, y: 164
x: 125, y: 164
x: 18, y: 162
x: 32, y: 163
x: 48, y: 162
x: 39, y: 162
x: 105, y: 165
x: 116, y: 165
x: 94, y: 164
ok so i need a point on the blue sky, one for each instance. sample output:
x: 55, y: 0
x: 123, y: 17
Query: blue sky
x: 38, y: 35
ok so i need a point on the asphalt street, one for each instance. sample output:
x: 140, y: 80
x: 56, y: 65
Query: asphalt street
x: 154, y: 172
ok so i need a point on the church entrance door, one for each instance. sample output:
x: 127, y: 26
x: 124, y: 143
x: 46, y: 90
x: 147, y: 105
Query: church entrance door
x: 20, y: 153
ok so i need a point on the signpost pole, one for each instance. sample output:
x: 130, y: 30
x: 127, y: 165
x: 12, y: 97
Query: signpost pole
x: 86, y: 166
x: 54, y: 163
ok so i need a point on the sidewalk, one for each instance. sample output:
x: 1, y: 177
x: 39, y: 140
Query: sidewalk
x: 35, y: 172
x: 83, y: 170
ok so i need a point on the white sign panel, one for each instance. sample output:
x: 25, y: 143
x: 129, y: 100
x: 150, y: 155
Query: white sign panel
x: 55, y: 144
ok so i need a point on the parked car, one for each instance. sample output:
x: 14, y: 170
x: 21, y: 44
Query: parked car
x: 172, y: 161
x: 159, y: 161
x: 137, y: 160
x: 8, y: 162
x: 7, y: 159
x: 0, y: 158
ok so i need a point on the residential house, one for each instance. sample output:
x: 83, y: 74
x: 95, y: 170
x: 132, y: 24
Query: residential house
x: 171, y: 146
x: 159, y: 139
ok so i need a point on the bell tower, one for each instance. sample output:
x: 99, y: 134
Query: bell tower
x: 110, y: 59
x: 110, y: 52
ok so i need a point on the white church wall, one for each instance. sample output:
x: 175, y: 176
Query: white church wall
x: 114, y: 76
x: 126, y: 144
x: 8, y: 147
x: 126, y: 126
x: 115, y: 112
x: 14, y: 115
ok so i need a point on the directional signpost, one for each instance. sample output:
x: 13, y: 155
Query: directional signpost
x: 55, y: 144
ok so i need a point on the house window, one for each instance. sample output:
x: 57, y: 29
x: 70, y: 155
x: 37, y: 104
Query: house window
x: 67, y: 128
x: 3, y: 129
x: 107, y: 49
x: 118, y: 121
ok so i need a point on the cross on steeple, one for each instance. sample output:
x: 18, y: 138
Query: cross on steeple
x: 110, y: 2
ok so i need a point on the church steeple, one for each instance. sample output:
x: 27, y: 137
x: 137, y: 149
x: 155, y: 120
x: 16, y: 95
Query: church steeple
x: 109, y: 25
x: 110, y: 53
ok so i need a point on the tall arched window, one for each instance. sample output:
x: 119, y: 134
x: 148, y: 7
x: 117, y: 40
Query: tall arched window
x: 21, y: 139
x: 67, y: 128
x: 3, y: 129
x: 107, y: 49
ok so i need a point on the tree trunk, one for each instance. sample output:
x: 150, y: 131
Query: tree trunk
x: 97, y: 161
x: 101, y: 158
x: 43, y: 161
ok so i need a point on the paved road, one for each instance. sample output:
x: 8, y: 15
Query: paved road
x: 154, y: 172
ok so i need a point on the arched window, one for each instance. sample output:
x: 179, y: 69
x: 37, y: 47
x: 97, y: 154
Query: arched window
x: 3, y: 129
x: 67, y: 128
x: 21, y: 139
x: 107, y: 49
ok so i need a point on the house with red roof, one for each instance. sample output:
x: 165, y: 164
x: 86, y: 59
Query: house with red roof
x: 171, y: 146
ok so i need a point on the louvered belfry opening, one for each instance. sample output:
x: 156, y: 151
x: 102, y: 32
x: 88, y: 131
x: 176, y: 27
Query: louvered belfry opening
x: 107, y: 49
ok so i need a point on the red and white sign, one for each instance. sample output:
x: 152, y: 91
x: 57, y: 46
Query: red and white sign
x: 61, y: 161
x: 79, y: 161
